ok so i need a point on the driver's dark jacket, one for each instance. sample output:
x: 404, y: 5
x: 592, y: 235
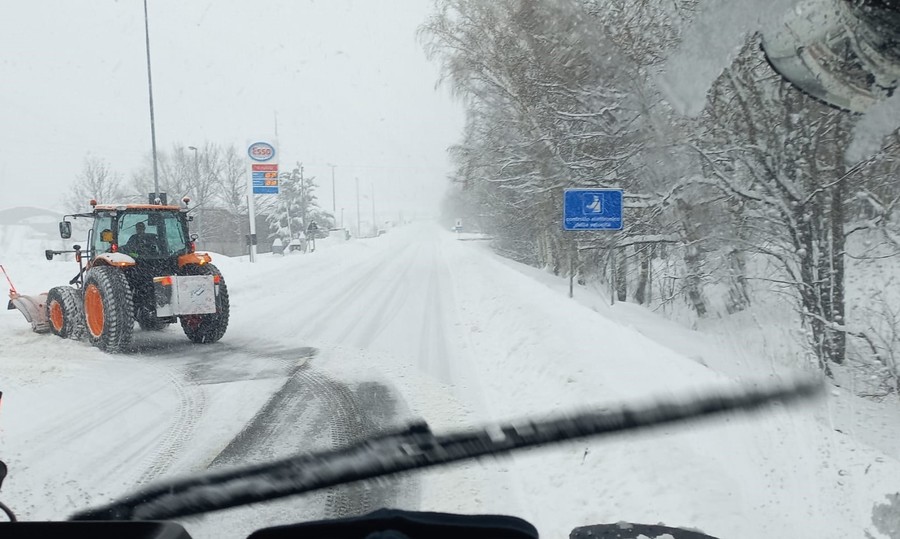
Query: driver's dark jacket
x: 141, y: 244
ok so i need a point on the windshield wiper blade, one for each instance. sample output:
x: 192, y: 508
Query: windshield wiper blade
x: 417, y: 447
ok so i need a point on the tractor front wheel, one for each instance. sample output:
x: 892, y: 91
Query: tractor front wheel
x: 207, y: 328
x: 64, y: 311
x: 108, y: 307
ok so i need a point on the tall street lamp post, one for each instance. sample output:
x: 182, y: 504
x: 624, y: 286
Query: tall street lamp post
x: 152, y: 118
x: 196, y: 162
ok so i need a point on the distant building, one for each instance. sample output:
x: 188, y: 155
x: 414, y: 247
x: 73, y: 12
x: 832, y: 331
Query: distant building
x: 225, y: 233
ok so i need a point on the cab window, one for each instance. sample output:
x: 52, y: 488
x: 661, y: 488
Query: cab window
x: 164, y: 228
x: 128, y: 226
x: 175, y: 240
x: 103, y: 223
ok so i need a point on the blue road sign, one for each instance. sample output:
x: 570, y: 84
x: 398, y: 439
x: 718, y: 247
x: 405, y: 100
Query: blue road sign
x: 264, y: 190
x: 592, y: 209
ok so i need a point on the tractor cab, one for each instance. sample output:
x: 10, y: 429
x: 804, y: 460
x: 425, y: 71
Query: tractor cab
x: 144, y: 233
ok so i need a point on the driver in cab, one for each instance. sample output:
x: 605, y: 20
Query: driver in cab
x: 141, y: 243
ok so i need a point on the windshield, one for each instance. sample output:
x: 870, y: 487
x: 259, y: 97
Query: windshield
x: 362, y: 214
x: 155, y: 234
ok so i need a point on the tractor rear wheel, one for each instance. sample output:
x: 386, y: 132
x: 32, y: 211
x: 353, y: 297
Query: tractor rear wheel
x: 64, y: 311
x: 108, y: 308
x: 207, y: 328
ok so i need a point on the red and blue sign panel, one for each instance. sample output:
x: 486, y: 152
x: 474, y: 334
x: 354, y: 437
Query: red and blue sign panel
x: 265, y: 179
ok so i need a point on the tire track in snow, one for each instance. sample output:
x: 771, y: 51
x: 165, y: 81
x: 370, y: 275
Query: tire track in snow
x: 313, y: 323
x: 191, y: 405
x: 346, y: 425
x: 325, y: 320
x: 139, y: 455
x: 434, y: 353
x: 96, y: 442
x: 313, y: 412
x: 386, y: 306
x: 77, y: 421
x: 213, y: 364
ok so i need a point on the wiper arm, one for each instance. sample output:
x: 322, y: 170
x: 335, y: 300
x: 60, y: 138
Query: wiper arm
x: 412, y: 448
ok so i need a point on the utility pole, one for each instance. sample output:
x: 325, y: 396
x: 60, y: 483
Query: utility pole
x: 358, y: 224
x: 251, y: 206
x: 196, y: 178
x: 152, y: 119
x: 374, y: 221
x: 287, y: 210
x: 333, y: 196
x: 303, y: 223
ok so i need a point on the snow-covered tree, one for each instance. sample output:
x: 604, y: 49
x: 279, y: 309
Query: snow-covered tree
x: 554, y: 102
x: 296, y: 206
x: 565, y: 94
x: 96, y: 181
x: 776, y: 154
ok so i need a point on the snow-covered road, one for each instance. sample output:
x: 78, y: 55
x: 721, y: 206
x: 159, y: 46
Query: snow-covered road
x: 329, y: 346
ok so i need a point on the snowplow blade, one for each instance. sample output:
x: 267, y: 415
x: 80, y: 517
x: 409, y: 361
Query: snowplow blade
x: 33, y: 308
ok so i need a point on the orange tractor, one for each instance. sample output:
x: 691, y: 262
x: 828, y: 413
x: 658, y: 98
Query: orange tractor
x: 140, y: 266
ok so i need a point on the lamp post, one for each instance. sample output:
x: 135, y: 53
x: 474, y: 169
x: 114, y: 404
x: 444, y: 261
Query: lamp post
x: 152, y: 118
x: 196, y: 162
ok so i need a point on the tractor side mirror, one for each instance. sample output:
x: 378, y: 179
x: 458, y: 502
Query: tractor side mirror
x: 49, y: 254
x: 194, y: 237
x: 65, y: 230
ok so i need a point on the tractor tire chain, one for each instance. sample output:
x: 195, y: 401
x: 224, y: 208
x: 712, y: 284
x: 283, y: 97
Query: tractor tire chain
x: 70, y: 315
x: 117, y: 308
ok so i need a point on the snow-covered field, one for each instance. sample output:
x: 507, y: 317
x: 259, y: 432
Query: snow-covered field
x: 418, y: 324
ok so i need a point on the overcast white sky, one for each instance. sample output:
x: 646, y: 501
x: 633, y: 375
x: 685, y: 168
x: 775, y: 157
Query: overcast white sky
x: 347, y: 78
